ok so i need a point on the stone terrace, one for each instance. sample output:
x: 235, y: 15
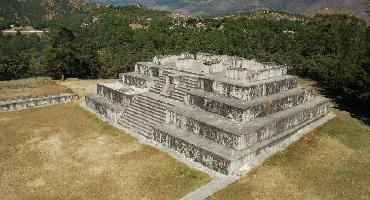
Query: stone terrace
x: 219, y: 111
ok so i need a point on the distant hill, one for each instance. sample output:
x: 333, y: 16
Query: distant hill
x: 207, y: 7
x: 29, y: 10
x: 346, y: 11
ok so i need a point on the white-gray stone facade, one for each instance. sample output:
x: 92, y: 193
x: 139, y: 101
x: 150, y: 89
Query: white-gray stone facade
x: 219, y: 111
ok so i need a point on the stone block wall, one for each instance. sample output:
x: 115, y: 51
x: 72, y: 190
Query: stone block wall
x: 205, y: 130
x: 115, y: 96
x: 23, y: 103
x: 274, y: 127
x: 245, y: 112
x: 245, y: 75
x: 134, y: 80
x: 248, y: 92
x: 232, y: 112
x: 104, y: 109
x: 197, y: 154
x: 149, y: 70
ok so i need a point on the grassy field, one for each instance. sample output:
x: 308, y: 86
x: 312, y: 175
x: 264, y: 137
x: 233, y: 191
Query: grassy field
x: 332, y: 162
x: 65, y: 152
x: 31, y: 87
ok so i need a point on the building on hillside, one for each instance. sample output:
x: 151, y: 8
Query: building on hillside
x: 27, y: 30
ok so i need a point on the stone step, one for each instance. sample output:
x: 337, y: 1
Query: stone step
x: 189, y: 85
x: 149, y: 112
x: 138, y: 119
x: 155, y: 99
x: 155, y: 91
x: 144, y: 116
x: 184, y: 88
x: 147, y: 105
x: 146, y: 111
x: 159, y: 87
x: 156, y: 88
x: 177, y: 97
x: 167, y: 71
x: 152, y: 99
x: 191, y: 82
x: 180, y: 91
x: 160, y: 84
x: 160, y: 81
x: 192, y: 79
x: 136, y: 127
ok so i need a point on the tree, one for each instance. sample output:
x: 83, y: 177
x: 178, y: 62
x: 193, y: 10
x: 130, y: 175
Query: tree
x: 66, y: 58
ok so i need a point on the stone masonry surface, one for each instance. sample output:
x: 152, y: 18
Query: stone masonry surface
x: 219, y: 111
x: 23, y: 103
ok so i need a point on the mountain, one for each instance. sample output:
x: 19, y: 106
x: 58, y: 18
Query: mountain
x: 29, y: 10
x: 209, y: 7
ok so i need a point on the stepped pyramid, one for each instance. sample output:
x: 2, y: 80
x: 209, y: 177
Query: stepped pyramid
x: 219, y: 111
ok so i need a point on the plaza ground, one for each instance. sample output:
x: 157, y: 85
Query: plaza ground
x: 66, y: 152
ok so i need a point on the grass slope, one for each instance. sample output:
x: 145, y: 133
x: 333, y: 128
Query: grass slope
x: 332, y: 162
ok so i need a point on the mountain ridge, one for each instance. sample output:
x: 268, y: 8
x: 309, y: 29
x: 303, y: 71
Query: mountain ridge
x: 216, y: 7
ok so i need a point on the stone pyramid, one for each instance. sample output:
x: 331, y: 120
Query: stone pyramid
x: 218, y: 111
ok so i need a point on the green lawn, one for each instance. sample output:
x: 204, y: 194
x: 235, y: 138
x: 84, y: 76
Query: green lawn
x: 332, y: 162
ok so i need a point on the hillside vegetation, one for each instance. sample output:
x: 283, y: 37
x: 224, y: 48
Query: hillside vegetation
x: 36, y: 12
x: 332, y: 49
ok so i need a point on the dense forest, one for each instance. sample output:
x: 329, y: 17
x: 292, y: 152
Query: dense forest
x: 332, y: 49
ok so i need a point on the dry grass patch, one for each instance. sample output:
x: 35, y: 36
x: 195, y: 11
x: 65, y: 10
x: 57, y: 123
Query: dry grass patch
x: 332, y: 162
x: 31, y: 87
x: 65, y: 152
x: 82, y: 87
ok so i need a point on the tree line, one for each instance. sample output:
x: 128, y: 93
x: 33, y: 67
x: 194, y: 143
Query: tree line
x: 331, y: 49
